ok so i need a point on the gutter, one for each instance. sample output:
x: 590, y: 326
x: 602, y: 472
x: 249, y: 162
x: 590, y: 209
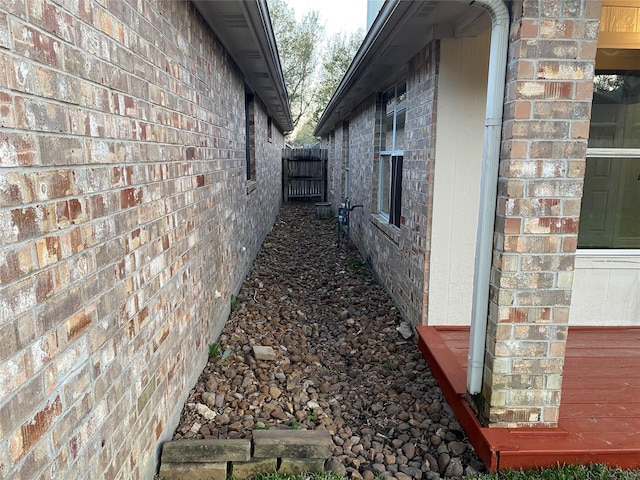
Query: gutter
x: 488, y: 189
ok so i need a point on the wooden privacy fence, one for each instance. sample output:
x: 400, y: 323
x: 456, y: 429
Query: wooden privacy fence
x: 304, y: 173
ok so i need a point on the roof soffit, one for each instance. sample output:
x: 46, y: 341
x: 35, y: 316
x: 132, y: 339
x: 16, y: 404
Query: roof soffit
x: 244, y: 28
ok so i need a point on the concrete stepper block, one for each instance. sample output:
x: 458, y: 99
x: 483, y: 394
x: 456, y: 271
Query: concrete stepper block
x: 206, y: 451
x: 298, y: 466
x: 193, y: 471
x: 292, y: 444
x: 242, y: 470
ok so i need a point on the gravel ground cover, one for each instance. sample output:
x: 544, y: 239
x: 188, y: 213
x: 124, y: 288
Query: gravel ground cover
x: 344, y: 362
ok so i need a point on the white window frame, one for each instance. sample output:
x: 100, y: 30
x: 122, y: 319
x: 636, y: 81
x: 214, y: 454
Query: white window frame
x: 388, y: 155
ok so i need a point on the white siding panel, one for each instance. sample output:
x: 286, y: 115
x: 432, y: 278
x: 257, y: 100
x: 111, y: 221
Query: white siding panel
x: 462, y: 86
x: 606, y: 290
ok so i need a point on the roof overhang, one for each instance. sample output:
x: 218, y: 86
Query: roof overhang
x: 400, y: 31
x: 244, y: 28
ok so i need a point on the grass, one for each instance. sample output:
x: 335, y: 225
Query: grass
x: 234, y: 302
x: 309, y: 476
x: 563, y: 472
x: 357, y: 266
x: 567, y: 472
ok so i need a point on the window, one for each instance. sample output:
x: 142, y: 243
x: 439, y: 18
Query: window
x: 269, y: 129
x: 392, y: 121
x: 250, y: 135
x: 610, y: 216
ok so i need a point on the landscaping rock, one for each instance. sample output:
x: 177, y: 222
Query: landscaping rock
x: 315, y: 345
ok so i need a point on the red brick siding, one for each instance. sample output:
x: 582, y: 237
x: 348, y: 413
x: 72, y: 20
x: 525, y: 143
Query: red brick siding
x: 547, y: 110
x: 125, y: 226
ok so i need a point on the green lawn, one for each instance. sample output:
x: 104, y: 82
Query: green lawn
x: 568, y: 472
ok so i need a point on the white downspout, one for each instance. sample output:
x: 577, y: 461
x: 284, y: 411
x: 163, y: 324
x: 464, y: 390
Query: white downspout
x: 488, y: 189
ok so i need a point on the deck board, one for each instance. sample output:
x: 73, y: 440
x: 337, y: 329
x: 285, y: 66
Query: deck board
x: 600, y: 411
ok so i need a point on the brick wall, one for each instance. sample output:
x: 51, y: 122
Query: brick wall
x: 125, y: 226
x: 546, y: 125
x: 398, y: 256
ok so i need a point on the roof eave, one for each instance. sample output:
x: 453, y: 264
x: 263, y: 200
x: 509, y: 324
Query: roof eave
x: 261, y: 65
x: 371, y: 45
x: 399, y: 31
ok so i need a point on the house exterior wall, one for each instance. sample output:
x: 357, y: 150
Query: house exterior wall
x: 549, y: 85
x: 462, y: 87
x: 545, y: 131
x: 125, y: 224
x: 335, y: 167
x: 399, y: 256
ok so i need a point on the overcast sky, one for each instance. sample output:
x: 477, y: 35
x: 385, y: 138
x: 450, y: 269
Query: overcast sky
x: 337, y: 15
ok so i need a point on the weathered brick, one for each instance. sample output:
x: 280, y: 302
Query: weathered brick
x: 508, y: 382
x: 48, y: 251
x: 61, y: 151
x: 515, y: 349
x: 35, y: 461
x: 17, y: 298
x: 52, y: 18
x: 9, y: 344
x: 17, y: 262
x: 32, y: 43
x: 543, y: 297
x: 540, y: 332
x: 6, y: 111
x: 514, y: 416
x: 533, y: 397
x: 63, y: 75
x: 39, y: 115
x: 5, y: 34
x: 538, y: 366
x: 32, y: 431
x: 292, y: 444
x: 18, y: 149
x: 556, y: 28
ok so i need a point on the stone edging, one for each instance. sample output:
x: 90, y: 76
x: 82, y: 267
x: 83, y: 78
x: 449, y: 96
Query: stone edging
x: 285, y: 451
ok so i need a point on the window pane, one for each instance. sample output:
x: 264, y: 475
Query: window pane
x: 400, y: 116
x: 610, y: 216
x: 401, y: 93
x: 615, y: 116
x: 396, y: 191
x: 388, y: 132
x: 384, y: 188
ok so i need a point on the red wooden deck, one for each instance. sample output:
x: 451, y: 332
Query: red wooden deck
x: 600, y: 412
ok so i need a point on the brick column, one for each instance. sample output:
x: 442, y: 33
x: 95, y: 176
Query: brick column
x: 546, y: 125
